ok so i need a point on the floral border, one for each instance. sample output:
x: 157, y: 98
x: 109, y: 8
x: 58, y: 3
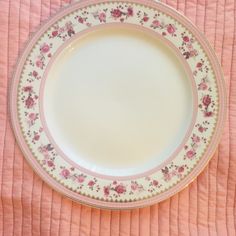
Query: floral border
x: 43, y: 150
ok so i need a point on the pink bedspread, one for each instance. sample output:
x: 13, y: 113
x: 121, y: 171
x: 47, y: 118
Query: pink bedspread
x: 29, y: 207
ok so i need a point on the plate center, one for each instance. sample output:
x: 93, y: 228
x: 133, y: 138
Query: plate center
x: 117, y: 101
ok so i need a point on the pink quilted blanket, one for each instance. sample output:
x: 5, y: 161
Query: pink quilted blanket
x: 29, y: 207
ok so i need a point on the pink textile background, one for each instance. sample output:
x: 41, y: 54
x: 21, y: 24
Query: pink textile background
x: 29, y: 207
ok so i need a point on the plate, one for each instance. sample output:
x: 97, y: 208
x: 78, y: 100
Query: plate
x: 118, y: 104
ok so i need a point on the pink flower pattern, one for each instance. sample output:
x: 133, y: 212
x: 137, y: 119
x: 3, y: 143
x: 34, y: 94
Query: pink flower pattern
x: 120, y: 189
x: 65, y: 173
x: 45, y: 48
x: 106, y: 190
x: 203, y: 86
x: 116, y: 13
x: 81, y: 178
x: 155, y: 24
x: 32, y: 117
x: 171, y: 29
x: 187, y: 47
x: 102, y: 17
x: 63, y: 32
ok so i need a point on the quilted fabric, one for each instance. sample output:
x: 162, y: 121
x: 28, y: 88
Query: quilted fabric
x: 28, y: 206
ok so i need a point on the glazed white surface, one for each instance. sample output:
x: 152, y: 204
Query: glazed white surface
x: 117, y: 101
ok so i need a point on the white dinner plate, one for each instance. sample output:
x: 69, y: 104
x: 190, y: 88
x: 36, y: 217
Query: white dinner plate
x: 118, y: 104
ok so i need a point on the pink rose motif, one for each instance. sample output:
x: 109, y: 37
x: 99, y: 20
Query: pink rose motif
x: 202, y: 86
x: 156, y: 23
x: 181, y: 169
x: 134, y: 186
x: 145, y: 18
x: 114, y: 182
x: 190, y: 154
x: 170, y: 29
x: 174, y: 173
x: 116, y: 13
x: 80, y: 178
x: 201, y: 129
x: 61, y: 30
x: 186, y: 39
x: 190, y: 46
x: 196, y: 139
x: 36, y: 137
x: 65, y: 173
x: 32, y: 116
x: 193, y: 53
x: 208, y: 113
x: 43, y: 150
x: 199, y: 65
x: 155, y: 183
x: 91, y: 183
x: 120, y: 189
x: 167, y: 176
x: 54, y: 33
x: 29, y: 102
x: 102, y: 17
x: 81, y: 20
x: 130, y: 11
x: 106, y: 190
x: 206, y: 100
x: 50, y: 163
x: 69, y: 25
x: 39, y: 64
x: 45, y: 48
x: 28, y: 89
x: 35, y: 73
